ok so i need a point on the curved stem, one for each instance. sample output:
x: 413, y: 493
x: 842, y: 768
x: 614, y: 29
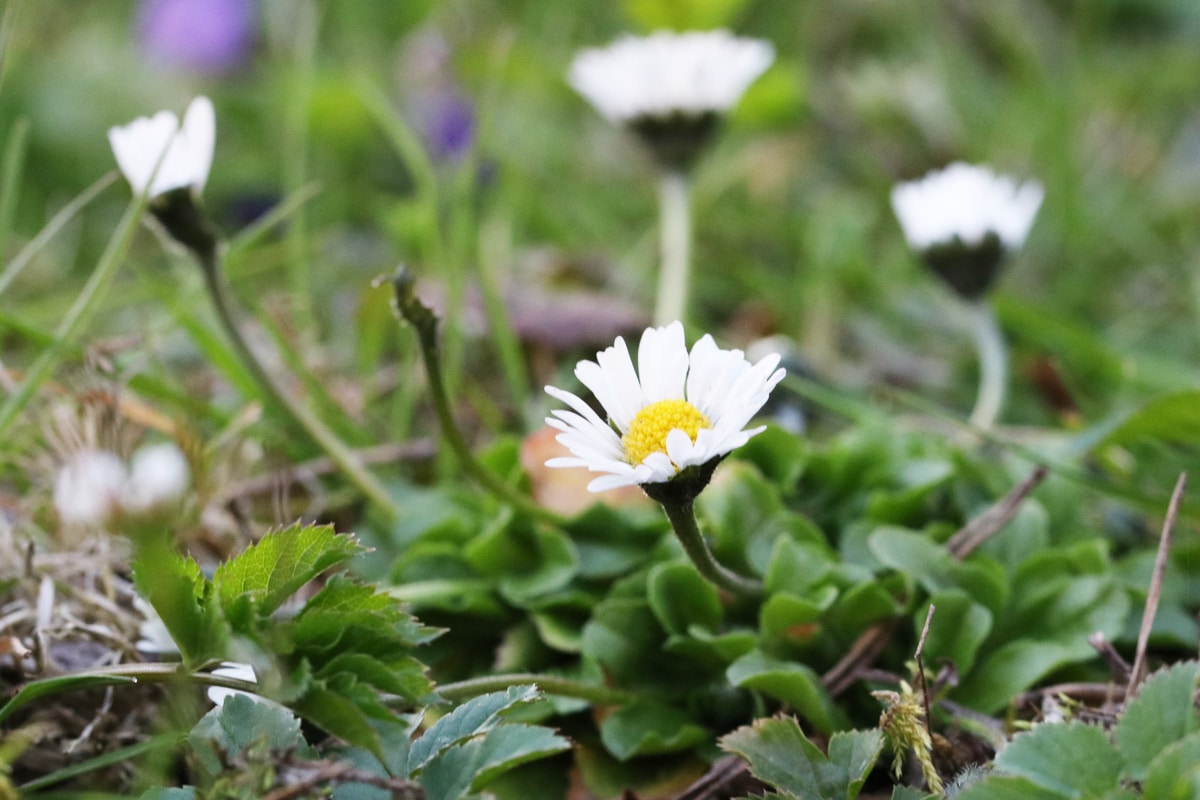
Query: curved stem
x: 993, y: 366
x: 675, y: 240
x: 412, y: 310
x: 341, y: 455
x: 549, y: 684
x: 683, y: 520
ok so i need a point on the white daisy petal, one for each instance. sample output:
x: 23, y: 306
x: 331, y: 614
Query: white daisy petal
x: 723, y: 390
x: 176, y: 155
x: 667, y: 73
x: 966, y: 201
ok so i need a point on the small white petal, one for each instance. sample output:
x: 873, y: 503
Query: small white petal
x: 967, y: 201
x: 669, y: 73
x: 175, y: 155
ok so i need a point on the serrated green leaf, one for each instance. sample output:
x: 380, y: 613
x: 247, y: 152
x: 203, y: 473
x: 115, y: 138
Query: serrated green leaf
x: 477, y: 715
x: 239, y: 723
x: 1174, y: 773
x: 680, y: 598
x: 782, y: 756
x: 404, y: 677
x: 471, y: 765
x: 1069, y: 760
x: 649, y: 728
x: 337, y: 713
x: 269, y: 572
x: 793, y: 683
x: 1161, y: 714
x: 1007, y: 787
x: 174, y: 585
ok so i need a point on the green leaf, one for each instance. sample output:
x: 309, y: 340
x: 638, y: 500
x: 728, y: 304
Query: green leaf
x: 342, y: 714
x: 1172, y: 417
x: 471, y: 765
x: 935, y: 569
x: 1069, y: 760
x: 795, y: 684
x: 269, y: 572
x: 182, y: 597
x: 782, y: 756
x: 1174, y: 773
x: 787, y: 619
x: 1161, y: 714
x: 239, y: 723
x: 1007, y: 787
x: 476, y: 716
x: 959, y: 627
x: 778, y: 454
x: 648, y: 728
x: 680, y: 598
x: 161, y: 793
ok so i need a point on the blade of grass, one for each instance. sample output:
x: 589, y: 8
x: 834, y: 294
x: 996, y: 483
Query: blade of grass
x: 112, y: 758
x: 301, y: 67
x: 280, y: 213
x: 317, y: 395
x: 11, y: 171
x: 77, y: 316
x: 56, y: 223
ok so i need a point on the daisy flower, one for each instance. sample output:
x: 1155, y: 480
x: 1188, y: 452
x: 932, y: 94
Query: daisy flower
x: 964, y: 219
x: 676, y: 410
x: 181, y: 152
x: 670, y: 88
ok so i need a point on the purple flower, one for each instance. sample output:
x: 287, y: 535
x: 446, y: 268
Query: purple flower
x: 204, y: 36
x: 447, y: 124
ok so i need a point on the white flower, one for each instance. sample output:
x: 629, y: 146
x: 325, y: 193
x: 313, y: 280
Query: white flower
x: 966, y: 201
x: 185, y: 151
x: 669, y: 73
x: 88, y: 487
x: 158, y: 474
x: 676, y: 410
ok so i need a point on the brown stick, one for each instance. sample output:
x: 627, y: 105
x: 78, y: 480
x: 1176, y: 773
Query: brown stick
x: 921, y: 668
x: 987, y: 524
x: 1137, y: 674
x: 862, y: 654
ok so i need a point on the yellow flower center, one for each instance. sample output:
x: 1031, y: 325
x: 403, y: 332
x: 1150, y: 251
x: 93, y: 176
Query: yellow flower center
x: 648, y: 432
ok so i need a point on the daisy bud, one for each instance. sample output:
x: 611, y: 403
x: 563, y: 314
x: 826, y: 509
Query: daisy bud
x: 964, y: 220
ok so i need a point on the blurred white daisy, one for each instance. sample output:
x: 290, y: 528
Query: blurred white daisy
x: 964, y: 220
x: 87, y: 489
x: 93, y: 485
x: 669, y: 73
x: 676, y: 410
x: 182, y: 153
x: 968, y: 202
x: 670, y: 88
x: 158, y: 474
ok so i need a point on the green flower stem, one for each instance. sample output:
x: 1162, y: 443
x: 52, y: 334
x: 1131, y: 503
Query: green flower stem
x: 118, y: 675
x: 683, y: 520
x: 675, y: 240
x: 424, y: 321
x: 993, y: 366
x: 341, y: 455
x: 549, y: 684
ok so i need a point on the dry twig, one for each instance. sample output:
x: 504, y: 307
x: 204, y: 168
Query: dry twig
x: 1155, y: 594
x: 990, y: 522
